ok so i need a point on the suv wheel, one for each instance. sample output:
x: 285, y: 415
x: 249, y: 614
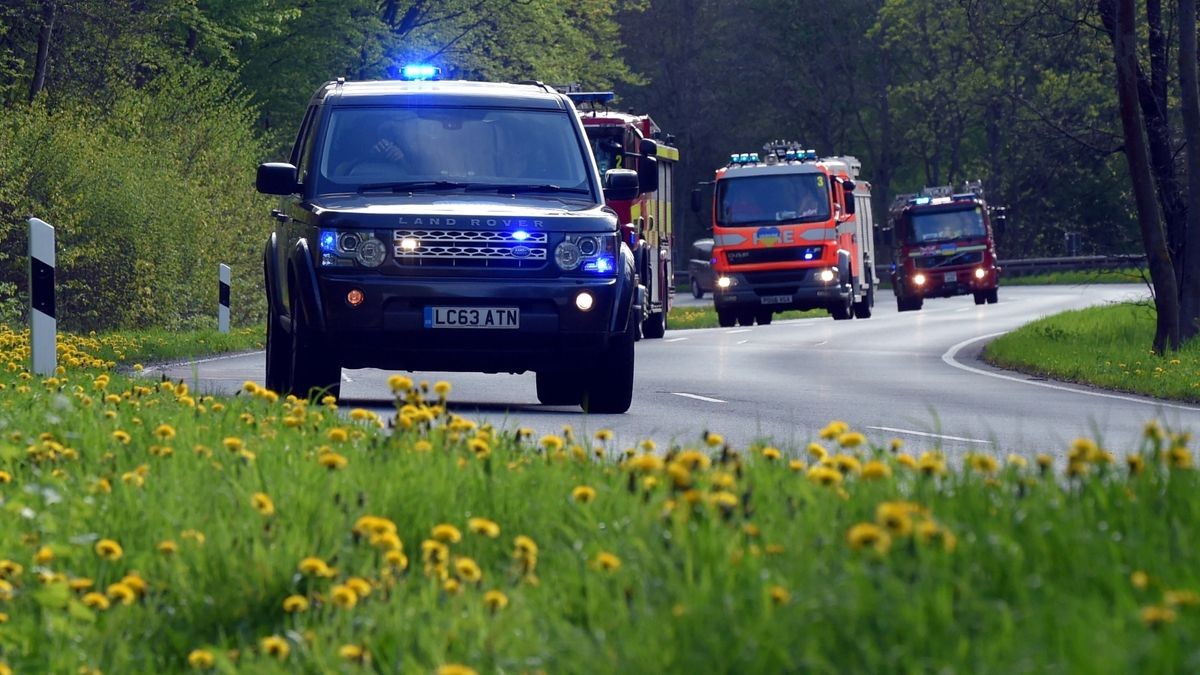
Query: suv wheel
x: 279, y: 354
x: 697, y: 292
x: 314, y: 370
x: 559, y: 388
x: 609, y: 386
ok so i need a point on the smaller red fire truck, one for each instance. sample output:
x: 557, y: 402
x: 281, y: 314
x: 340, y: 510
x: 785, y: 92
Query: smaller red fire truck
x: 791, y: 231
x: 942, y: 245
x: 629, y: 141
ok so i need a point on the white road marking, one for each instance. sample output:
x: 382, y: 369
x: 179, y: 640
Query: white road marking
x: 675, y: 340
x: 735, y: 332
x: 742, y: 342
x: 929, y: 435
x: 948, y: 358
x: 192, y: 362
x: 822, y: 342
x: 698, y: 397
x: 965, y: 309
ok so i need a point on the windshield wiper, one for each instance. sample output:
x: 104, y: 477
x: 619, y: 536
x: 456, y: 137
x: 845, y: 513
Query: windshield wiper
x: 404, y: 186
x: 524, y: 187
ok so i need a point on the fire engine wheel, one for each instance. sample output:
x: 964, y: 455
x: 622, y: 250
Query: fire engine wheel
x: 765, y: 316
x: 315, y: 370
x: 655, y: 326
x: 697, y: 292
x: 608, y: 388
x: 726, y: 318
x: 279, y: 354
x: 842, y: 311
x: 559, y: 388
x: 993, y: 296
x: 745, y: 317
x: 909, y: 304
x: 862, y: 308
x: 980, y: 297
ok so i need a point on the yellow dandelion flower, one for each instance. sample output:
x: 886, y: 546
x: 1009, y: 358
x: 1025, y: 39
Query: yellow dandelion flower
x: 5, y: 478
x: 467, y: 570
x: 906, y: 460
x: 875, y: 470
x: 360, y: 586
x: 332, y: 461
x: 479, y: 447
x: 495, y: 600
x: 648, y: 445
x: 80, y: 584
x: 96, y: 601
x: 452, y: 586
x: 396, y: 559
x: 604, y: 435
x: 851, y: 439
x: 713, y: 440
x: 982, y: 463
x: 194, y: 535
x: 646, y: 463
x: 109, y: 549
x: 165, y: 432
x: 1182, y: 598
x: 447, y: 533
x: 1139, y: 579
x: 262, y: 503
x: 275, y: 646
x: 607, y: 562
x: 1017, y: 461
x: 343, y: 596
x: 121, y: 437
x: 233, y: 444
x: 314, y: 567
x: 1044, y: 462
x: 441, y: 388
x: 121, y: 593
x: 771, y: 454
x: 895, y: 517
x: 1157, y: 615
x: 725, y: 500
x: 136, y: 582
x: 825, y: 476
x: 551, y: 443
x: 338, y: 435
x: 352, y: 653
x: 434, y: 552
x: 1179, y: 458
x: 834, y: 429
x: 201, y: 659
x: 869, y: 535
x: 483, y: 526
x: 10, y: 569
x: 583, y: 494
x: 694, y: 460
x: 250, y: 387
x: 386, y: 541
x: 294, y: 604
x: 1153, y: 430
x: 399, y: 384
x: 6, y: 590
x: 931, y: 464
x: 817, y: 451
x: 1083, y: 449
x: 779, y: 595
x: 797, y: 465
x: 524, y: 547
x: 929, y: 532
x: 455, y: 669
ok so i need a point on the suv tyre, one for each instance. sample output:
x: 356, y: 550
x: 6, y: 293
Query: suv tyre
x: 279, y: 354
x: 559, y: 388
x: 610, y: 383
x: 314, y: 371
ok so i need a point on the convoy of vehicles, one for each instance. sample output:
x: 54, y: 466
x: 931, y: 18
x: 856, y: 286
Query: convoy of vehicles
x: 629, y: 141
x: 943, y: 245
x: 791, y: 231
x: 460, y: 226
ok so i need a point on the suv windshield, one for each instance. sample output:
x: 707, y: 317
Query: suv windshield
x: 781, y: 198
x: 430, y: 149
x: 947, y: 225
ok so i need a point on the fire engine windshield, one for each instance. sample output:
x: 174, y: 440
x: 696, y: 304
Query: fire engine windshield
x: 933, y: 226
x: 781, y: 198
x: 451, y: 148
x: 607, y: 149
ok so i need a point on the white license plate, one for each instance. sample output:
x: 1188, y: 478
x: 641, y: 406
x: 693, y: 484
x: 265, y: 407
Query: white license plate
x: 776, y: 299
x: 472, y: 317
x: 951, y: 277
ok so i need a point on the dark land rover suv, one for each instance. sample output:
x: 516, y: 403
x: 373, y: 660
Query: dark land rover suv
x: 461, y: 226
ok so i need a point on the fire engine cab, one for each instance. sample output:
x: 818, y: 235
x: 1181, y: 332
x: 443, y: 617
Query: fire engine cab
x: 942, y: 245
x: 791, y: 231
x: 631, y: 141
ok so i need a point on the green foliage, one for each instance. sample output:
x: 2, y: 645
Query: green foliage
x: 147, y: 196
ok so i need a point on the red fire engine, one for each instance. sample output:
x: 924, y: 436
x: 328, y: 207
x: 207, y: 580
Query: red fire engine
x: 628, y: 141
x: 791, y: 231
x: 942, y: 245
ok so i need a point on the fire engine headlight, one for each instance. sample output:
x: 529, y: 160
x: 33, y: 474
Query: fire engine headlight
x: 825, y: 275
x: 979, y: 273
x: 919, y: 279
x: 724, y: 282
x: 370, y: 253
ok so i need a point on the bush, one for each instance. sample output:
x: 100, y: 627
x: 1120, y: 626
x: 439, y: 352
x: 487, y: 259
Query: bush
x: 147, y: 196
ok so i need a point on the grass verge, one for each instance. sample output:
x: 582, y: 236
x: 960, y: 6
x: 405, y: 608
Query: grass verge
x: 1132, y: 275
x: 156, y: 345
x: 148, y: 529
x: 1106, y: 346
x: 706, y: 317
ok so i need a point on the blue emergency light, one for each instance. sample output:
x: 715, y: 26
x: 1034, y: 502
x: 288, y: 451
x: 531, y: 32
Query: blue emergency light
x: 420, y: 71
x: 520, y: 235
x: 591, y: 97
x: 328, y: 241
x: 600, y: 265
x: 922, y: 201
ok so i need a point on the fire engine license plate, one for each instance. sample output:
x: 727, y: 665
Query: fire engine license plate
x: 951, y: 277
x: 472, y: 317
x: 776, y: 299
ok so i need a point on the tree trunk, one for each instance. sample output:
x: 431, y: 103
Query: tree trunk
x: 1189, y: 305
x: 1162, y: 275
x: 42, y: 63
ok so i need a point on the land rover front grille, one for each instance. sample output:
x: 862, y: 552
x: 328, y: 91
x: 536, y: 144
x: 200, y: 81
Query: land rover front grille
x: 470, y: 248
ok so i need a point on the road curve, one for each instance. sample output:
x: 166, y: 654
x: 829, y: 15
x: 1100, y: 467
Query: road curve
x: 915, y: 376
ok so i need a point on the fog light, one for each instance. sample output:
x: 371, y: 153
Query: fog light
x: 354, y: 297
x: 825, y: 275
x: 979, y: 273
x: 584, y: 301
x: 409, y: 244
x: 919, y: 279
x: 724, y: 282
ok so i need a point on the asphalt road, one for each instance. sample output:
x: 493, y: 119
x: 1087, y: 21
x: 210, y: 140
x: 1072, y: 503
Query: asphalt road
x: 916, y: 376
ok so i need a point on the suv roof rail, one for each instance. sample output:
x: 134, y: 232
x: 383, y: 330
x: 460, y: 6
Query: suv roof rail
x: 538, y: 83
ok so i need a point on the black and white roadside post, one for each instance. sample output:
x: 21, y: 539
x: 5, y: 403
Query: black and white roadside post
x: 42, y: 323
x: 223, y: 298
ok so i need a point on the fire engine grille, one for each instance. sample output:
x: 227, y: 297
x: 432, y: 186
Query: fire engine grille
x: 932, y: 261
x: 781, y: 278
x: 470, y: 248
x: 754, y: 256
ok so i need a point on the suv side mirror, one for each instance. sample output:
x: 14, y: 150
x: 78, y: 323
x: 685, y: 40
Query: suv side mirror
x: 276, y: 178
x: 647, y: 173
x: 620, y: 184
x: 696, y: 203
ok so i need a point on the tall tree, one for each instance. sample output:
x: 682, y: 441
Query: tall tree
x: 1120, y: 14
x: 1189, y: 306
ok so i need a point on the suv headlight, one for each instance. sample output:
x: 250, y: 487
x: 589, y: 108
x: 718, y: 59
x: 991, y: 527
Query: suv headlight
x: 587, y: 253
x: 346, y: 248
